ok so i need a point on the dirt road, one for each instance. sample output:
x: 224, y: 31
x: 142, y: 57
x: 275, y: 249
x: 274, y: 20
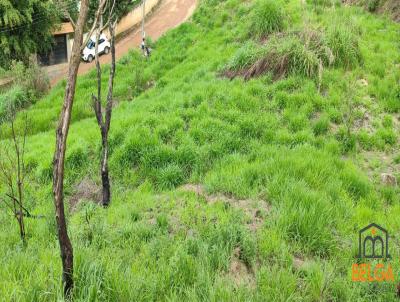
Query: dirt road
x: 169, y: 14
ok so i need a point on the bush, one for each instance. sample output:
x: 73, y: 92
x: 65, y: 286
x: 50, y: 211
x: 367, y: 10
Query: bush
x: 14, y: 99
x: 343, y: 42
x: 323, y: 3
x: 268, y: 17
x: 348, y: 140
x: 169, y: 177
x: 29, y: 84
x: 373, y: 5
x: 307, y: 218
x: 31, y: 78
x: 245, y: 56
x: 303, y: 53
x: 321, y: 126
x: 387, y: 135
x: 290, y: 55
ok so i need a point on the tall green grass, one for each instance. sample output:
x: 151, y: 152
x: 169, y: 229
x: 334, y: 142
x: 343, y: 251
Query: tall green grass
x: 274, y: 143
x: 267, y: 16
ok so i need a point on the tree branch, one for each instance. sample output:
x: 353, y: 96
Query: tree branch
x: 28, y: 214
x: 99, y: 12
x: 66, y: 13
x: 97, y: 110
x: 111, y: 78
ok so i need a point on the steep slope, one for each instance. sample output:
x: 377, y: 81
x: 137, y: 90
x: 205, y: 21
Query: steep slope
x: 225, y: 190
x: 390, y: 8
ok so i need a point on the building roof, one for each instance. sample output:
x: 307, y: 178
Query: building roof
x: 66, y: 28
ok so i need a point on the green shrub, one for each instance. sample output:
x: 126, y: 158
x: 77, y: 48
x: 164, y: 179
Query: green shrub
x: 295, y: 54
x: 307, y: 218
x: 302, y: 53
x: 356, y: 184
x: 321, y: 125
x: 32, y: 79
x: 365, y: 140
x: 389, y: 194
x: 11, y: 101
x: 391, y: 97
x: 387, y: 121
x: 130, y: 154
x: 387, y: 135
x: 344, y: 45
x: 169, y: 177
x: 77, y: 157
x: 267, y: 17
x: 245, y: 56
x: 324, y: 3
x: 372, y: 5
x: 348, y: 140
x: 248, y: 245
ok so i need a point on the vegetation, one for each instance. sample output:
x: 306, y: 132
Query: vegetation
x: 121, y: 8
x: 29, y: 84
x: 268, y: 16
x: 25, y: 28
x: 223, y: 190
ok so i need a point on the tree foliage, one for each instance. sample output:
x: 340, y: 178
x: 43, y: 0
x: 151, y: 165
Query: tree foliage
x: 25, y: 28
x: 121, y: 8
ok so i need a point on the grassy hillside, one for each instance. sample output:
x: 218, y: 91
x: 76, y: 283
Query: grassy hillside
x: 225, y: 189
x: 390, y: 8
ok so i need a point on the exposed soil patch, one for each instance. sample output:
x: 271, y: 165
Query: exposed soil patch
x: 239, y: 273
x: 386, y: 172
x: 85, y: 190
x: 388, y: 179
x: 391, y: 7
x: 298, y: 262
x: 364, y: 122
x: 256, y: 210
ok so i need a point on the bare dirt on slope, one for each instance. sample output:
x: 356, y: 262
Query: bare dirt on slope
x: 390, y: 7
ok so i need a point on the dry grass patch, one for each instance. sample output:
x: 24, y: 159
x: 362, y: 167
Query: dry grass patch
x: 85, y: 190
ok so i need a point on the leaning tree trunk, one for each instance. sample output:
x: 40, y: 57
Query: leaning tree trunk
x: 59, y: 154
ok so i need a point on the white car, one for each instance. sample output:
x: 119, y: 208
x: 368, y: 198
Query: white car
x: 89, y: 53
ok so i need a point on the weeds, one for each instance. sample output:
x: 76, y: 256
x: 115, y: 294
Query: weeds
x: 276, y: 138
x: 268, y: 17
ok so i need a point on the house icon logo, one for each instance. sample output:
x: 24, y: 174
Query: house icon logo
x: 373, y: 242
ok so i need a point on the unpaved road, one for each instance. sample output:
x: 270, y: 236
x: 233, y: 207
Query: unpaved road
x: 169, y: 14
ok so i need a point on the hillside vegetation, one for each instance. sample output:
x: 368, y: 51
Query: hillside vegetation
x: 246, y: 155
x: 390, y: 8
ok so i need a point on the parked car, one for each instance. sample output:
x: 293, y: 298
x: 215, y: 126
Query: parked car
x: 89, y: 54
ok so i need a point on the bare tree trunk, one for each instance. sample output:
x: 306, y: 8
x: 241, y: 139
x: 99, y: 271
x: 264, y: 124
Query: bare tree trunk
x: 18, y: 164
x: 13, y: 172
x: 59, y: 154
x: 104, y: 171
x: 20, y: 212
x: 104, y: 123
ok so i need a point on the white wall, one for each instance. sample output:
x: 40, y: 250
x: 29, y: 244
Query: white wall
x: 129, y: 21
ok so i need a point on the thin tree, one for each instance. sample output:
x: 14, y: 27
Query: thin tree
x: 67, y: 257
x: 12, y: 174
x: 104, y: 122
x: 59, y: 154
